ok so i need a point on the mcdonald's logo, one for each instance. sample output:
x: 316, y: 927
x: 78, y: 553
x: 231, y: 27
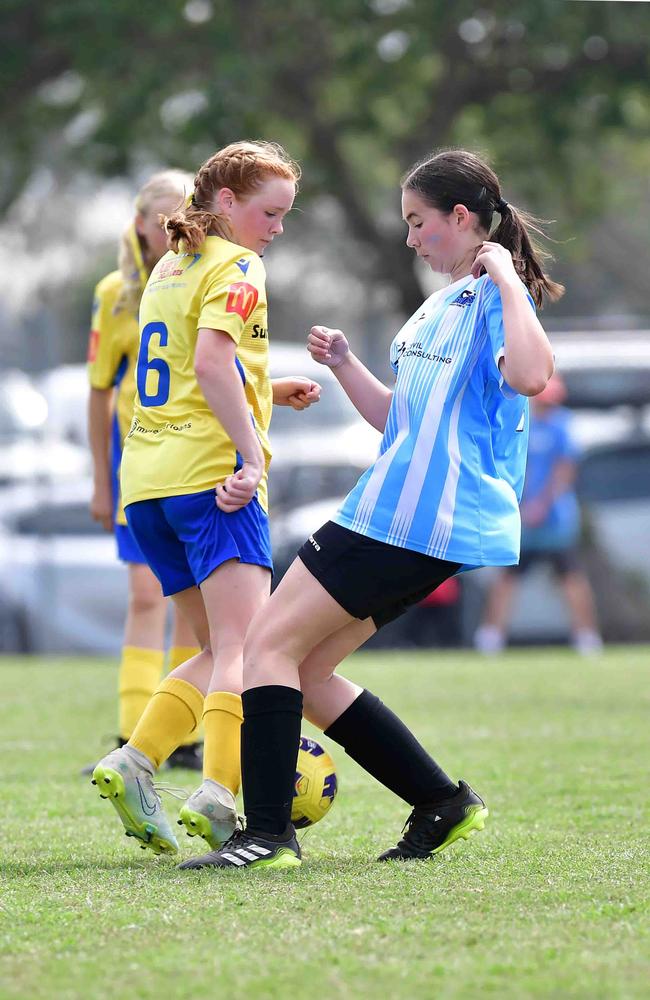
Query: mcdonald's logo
x: 242, y: 299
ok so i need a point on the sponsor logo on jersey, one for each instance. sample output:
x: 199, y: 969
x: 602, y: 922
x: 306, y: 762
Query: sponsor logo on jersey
x: 242, y: 299
x: 173, y: 268
x: 93, y: 344
x: 465, y: 298
x: 416, y: 350
x: 243, y: 265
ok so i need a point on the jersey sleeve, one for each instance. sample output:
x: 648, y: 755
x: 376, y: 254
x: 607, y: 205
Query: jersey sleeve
x: 496, y: 334
x: 231, y: 295
x: 105, y: 352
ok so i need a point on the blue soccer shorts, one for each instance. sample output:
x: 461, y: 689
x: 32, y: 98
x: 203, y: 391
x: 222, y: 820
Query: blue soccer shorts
x: 185, y: 538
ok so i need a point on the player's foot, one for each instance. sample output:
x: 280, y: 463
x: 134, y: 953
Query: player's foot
x: 429, y: 829
x: 587, y: 642
x: 489, y: 640
x: 251, y: 850
x: 189, y: 756
x: 123, y: 778
x: 89, y: 768
x: 211, y: 813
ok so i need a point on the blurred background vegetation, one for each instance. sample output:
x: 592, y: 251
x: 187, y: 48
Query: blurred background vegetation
x: 97, y: 94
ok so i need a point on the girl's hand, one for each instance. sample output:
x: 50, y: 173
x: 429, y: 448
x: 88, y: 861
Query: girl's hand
x: 534, y: 512
x: 101, y: 506
x: 496, y: 261
x: 239, y: 488
x: 328, y: 347
x: 295, y: 391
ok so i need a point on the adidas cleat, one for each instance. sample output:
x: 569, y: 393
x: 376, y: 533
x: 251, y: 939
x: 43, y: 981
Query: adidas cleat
x: 250, y: 850
x: 121, y: 778
x: 210, y: 812
x: 429, y: 829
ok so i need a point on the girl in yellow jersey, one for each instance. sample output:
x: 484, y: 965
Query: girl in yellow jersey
x: 112, y: 355
x: 194, y: 475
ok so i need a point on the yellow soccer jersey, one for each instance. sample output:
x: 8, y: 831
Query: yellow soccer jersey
x: 112, y: 355
x: 176, y: 445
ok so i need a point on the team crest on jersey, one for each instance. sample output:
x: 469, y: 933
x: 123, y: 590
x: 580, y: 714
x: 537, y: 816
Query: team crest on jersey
x: 465, y: 298
x: 242, y: 299
x: 243, y: 265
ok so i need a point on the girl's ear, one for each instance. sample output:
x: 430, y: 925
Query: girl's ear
x: 461, y: 216
x: 224, y: 199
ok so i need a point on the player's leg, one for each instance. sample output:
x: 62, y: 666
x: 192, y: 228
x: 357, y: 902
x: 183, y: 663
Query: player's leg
x: 585, y: 632
x: 184, y: 646
x: 298, y: 616
x: 126, y: 775
x: 490, y: 636
x: 142, y: 652
x: 383, y: 745
x: 232, y: 595
x: 303, y: 632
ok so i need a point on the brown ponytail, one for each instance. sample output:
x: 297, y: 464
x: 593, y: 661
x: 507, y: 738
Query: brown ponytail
x: 457, y: 177
x: 242, y: 167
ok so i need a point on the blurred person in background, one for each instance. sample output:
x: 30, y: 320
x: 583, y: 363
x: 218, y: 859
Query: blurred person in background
x: 550, y: 518
x: 112, y: 356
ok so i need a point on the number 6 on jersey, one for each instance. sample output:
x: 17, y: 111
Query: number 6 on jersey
x: 160, y: 397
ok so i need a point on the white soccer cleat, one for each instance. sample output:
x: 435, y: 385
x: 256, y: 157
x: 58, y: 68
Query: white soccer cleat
x: 123, y: 778
x: 211, y: 813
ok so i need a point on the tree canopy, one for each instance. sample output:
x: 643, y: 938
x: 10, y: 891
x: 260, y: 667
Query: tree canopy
x: 555, y: 93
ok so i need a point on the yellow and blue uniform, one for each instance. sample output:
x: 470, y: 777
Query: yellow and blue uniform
x: 112, y: 357
x: 176, y: 450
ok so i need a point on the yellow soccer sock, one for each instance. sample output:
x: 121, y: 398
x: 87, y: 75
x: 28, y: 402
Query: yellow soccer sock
x: 139, y: 677
x: 222, y: 719
x: 171, y: 715
x: 178, y: 655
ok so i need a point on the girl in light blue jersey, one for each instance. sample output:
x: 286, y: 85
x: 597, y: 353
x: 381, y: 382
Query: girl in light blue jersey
x: 442, y: 496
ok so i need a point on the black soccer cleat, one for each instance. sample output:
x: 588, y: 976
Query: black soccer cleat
x: 189, y: 756
x: 245, y: 850
x: 429, y: 829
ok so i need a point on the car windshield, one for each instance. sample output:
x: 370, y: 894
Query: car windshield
x: 56, y: 519
x: 611, y: 474
x: 299, y: 485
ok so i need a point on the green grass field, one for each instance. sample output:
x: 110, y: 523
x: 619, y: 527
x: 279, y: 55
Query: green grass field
x: 552, y: 900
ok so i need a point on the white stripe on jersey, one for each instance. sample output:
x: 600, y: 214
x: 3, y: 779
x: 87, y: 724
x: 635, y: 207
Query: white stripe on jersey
x: 441, y: 532
x: 372, y: 489
x: 453, y: 325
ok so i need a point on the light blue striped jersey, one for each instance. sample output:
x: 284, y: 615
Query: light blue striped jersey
x: 451, y: 464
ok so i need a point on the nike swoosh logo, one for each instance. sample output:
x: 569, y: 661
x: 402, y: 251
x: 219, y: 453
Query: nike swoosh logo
x: 147, y: 808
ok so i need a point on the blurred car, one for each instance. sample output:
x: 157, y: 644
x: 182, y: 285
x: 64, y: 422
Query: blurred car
x: 27, y: 450
x: 608, y: 391
x: 63, y: 588
x: 66, y: 390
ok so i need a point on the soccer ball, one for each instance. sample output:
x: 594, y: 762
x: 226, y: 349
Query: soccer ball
x: 315, y: 786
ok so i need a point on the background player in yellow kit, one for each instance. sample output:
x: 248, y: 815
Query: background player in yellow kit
x: 112, y: 356
x: 201, y: 420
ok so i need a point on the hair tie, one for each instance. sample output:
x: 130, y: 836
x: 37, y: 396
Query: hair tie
x: 501, y: 206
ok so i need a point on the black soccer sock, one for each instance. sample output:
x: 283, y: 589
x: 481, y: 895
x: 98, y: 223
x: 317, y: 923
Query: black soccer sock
x: 380, y: 742
x: 270, y: 736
